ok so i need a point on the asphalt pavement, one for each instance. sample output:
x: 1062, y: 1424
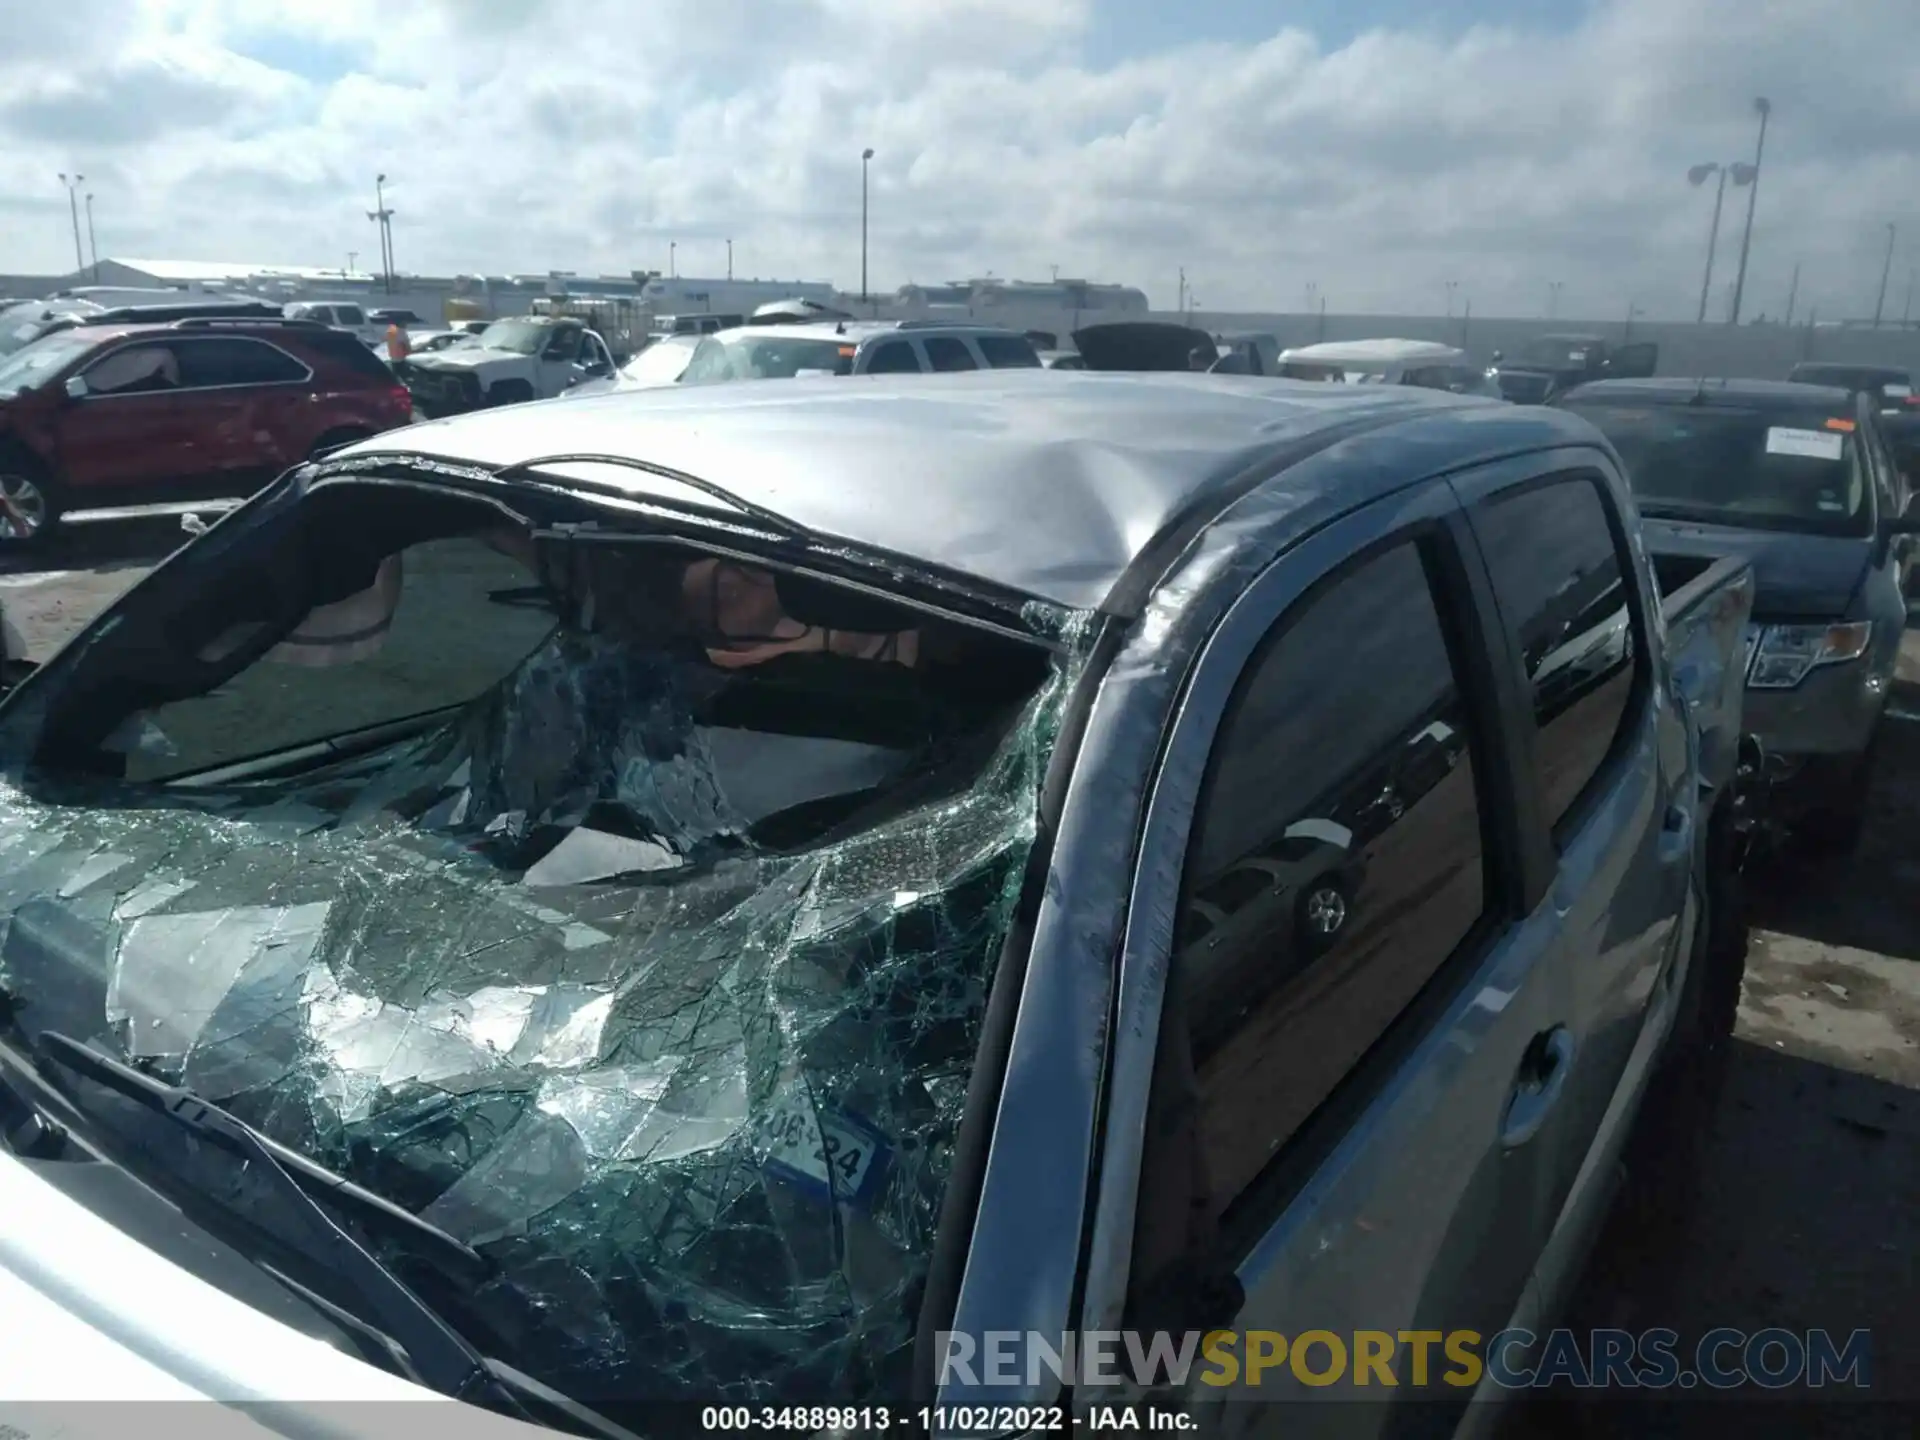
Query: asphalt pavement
x: 1798, y: 1207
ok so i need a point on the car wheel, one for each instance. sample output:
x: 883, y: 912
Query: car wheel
x: 30, y: 505
x: 1834, y: 827
x: 510, y: 392
x: 1321, y: 914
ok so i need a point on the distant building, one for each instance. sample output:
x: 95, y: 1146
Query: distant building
x: 985, y: 295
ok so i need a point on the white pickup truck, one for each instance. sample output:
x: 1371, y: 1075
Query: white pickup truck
x: 529, y: 357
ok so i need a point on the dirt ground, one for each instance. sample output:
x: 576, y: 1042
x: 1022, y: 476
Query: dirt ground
x: 1802, y: 1205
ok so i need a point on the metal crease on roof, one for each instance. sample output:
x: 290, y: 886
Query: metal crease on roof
x: 1048, y: 483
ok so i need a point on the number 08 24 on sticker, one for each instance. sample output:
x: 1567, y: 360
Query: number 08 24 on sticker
x: 835, y: 1155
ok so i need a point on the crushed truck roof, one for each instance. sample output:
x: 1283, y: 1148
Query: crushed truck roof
x: 1050, y: 483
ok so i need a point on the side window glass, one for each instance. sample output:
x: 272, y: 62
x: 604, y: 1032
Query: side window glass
x: 895, y: 357
x: 946, y: 353
x: 1335, y: 864
x: 230, y: 360
x: 349, y: 315
x: 1561, y: 583
x: 134, y: 370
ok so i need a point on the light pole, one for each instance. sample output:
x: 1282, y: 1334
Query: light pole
x: 1886, y: 269
x: 865, y: 156
x: 93, y: 246
x: 352, y: 256
x: 73, y: 184
x: 381, y: 216
x: 1793, y: 293
x: 1741, y: 174
x: 673, y: 259
x: 729, y: 259
x: 1906, y: 313
x: 1450, y: 288
x: 1765, y: 108
x: 1553, y: 298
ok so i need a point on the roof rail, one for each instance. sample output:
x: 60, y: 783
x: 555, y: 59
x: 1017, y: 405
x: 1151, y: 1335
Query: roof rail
x: 207, y: 322
x: 948, y: 325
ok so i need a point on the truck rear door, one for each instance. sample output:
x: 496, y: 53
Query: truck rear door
x: 1609, y: 816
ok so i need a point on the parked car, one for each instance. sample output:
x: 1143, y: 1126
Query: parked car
x: 529, y: 357
x: 121, y: 414
x: 719, y: 891
x: 22, y: 324
x: 661, y: 363
x: 1425, y: 363
x: 341, y: 315
x: 856, y: 347
x: 1799, y: 480
x: 1146, y: 346
x: 700, y: 324
x: 1551, y: 364
x: 795, y: 312
x: 1891, y: 386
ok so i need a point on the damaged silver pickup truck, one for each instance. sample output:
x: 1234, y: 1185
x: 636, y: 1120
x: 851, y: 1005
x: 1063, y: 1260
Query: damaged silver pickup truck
x: 729, y: 897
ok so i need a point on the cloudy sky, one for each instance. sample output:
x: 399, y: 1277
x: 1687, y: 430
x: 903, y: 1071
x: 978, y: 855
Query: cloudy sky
x: 1376, y: 149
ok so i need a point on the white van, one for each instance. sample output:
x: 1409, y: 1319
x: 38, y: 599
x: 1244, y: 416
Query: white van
x: 1425, y: 363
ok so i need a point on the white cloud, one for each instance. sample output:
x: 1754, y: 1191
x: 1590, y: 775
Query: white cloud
x: 587, y: 134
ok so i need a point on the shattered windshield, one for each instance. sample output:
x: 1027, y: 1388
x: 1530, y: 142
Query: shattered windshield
x: 625, y: 911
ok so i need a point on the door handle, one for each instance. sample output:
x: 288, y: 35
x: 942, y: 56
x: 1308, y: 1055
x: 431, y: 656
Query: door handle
x: 1676, y: 836
x: 1543, y: 1074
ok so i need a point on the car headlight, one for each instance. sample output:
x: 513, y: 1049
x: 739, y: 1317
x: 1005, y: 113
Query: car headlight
x: 1787, y: 654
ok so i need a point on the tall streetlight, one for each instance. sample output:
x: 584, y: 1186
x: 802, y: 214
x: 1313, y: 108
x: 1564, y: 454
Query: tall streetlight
x: 1451, y: 286
x: 1793, y: 293
x: 673, y: 259
x: 865, y: 156
x: 73, y: 184
x: 1906, y: 314
x: 1697, y: 176
x: 383, y: 217
x: 1553, y: 298
x: 1765, y: 108
x: 1886, y: 269
x: 93, y: 245
x: 729, y: 259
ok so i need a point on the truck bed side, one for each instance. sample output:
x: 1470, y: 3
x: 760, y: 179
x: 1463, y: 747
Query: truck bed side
x: 1706, y: 604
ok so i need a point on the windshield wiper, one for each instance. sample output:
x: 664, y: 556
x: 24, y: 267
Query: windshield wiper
x: 442, y: 1358
x: 450, y: 1254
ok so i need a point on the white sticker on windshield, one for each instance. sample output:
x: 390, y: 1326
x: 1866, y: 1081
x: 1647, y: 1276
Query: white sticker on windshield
x: 1812, y: 444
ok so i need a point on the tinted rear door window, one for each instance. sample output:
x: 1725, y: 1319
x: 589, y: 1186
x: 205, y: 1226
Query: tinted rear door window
x: 350, y: 315
x: 896, y: 357
x: 1562, y: 584
x: 946, y: 353
x: 1006, y: 352
x: 231, y: 360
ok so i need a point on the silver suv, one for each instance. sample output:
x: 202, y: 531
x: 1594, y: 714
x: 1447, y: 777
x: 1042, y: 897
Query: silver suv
x: 856, y: 347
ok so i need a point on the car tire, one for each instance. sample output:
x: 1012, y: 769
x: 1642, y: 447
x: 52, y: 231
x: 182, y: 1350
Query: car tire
x: 510, y: 392
x: 1321, y: 914
x: 31, y: 493
x: 1834, y: 827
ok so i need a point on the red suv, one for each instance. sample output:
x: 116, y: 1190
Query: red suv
x: 113, y: 414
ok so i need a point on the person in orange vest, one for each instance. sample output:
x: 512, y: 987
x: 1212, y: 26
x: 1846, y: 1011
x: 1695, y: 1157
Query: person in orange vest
x: 398, y: 345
